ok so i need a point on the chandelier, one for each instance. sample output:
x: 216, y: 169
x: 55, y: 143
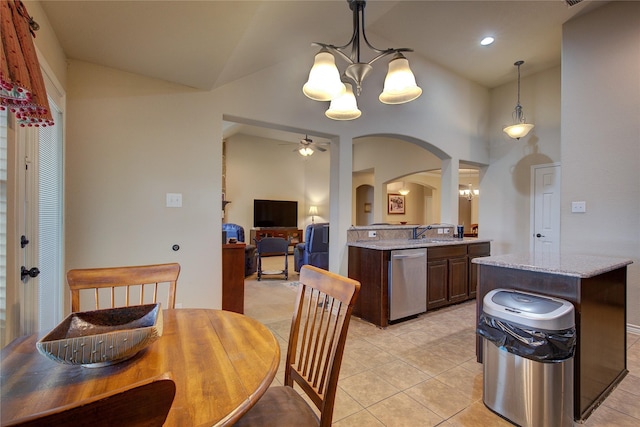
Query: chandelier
x: 327, y: 84
x: 520, y: 128
x: 469, y: 193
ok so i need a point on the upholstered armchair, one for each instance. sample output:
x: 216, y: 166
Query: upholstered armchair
x: 235, y: 231
x: 315, y: 249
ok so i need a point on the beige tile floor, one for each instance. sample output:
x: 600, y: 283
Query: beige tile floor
x: 420, y: 372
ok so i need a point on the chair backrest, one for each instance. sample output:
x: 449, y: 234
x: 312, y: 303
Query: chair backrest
x: 318, y: 334
x: 317, y: 238
x: 145, y: 403
x: 135, y: 277
x: 234, y: 231
x: 272, y: 245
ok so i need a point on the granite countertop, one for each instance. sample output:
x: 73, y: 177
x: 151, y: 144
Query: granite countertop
x: 393, y: 244
x: 563, y: 264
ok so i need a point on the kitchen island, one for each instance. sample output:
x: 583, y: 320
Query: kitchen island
x: 596, y: 286
x: 450, y: 276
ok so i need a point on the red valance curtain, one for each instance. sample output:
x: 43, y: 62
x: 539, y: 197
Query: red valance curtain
x: 22, y: 88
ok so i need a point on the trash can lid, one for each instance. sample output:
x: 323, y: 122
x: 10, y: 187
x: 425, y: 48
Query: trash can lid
x: 527, y: 309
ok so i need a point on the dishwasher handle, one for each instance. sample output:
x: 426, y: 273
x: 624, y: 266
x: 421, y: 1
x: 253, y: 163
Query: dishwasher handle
x: 400, y: 256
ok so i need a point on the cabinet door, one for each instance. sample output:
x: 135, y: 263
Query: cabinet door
x: 475, y: 251
x: 436, y: 283
x: 458, y: 280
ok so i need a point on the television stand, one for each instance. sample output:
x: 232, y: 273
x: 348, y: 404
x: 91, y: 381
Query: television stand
x: 293, y: 234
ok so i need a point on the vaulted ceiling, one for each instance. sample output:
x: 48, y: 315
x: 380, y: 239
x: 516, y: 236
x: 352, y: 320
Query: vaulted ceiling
x: 207, y: 43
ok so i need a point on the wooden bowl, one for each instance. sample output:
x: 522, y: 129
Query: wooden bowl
x: 102, y: 337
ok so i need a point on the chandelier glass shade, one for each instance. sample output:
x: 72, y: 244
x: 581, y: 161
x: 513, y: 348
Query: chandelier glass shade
x: 324, y: 78
x: 345, y: 106
x: 325, y: 83
x: 400, y: 84
x: 520, y: 128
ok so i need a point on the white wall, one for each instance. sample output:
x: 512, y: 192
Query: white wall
x: 504, y: 205
x: 131, y: 140
x: 601, y: 138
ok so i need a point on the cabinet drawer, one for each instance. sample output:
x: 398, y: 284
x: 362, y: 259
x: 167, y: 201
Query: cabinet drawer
x: 452, y: 251
x: 482, y: 249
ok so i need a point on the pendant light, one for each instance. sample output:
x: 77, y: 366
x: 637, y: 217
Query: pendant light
x: 520, y: 128
x: 324, y: 78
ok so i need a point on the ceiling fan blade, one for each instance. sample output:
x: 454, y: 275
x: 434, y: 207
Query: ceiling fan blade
x: 317, y: 147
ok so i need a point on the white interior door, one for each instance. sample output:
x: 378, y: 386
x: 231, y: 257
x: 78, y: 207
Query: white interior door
x: 545, y: 193
x: 31, y: 205
x: 27, y: 218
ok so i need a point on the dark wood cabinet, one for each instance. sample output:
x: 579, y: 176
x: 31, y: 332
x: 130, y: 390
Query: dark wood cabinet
x: 437, y: 283
x: 233, y: 277
x: 447, y: 275
x: 371, y: 268
x: 476, y: 250
x: 294, y: 235
x: 458, y: 280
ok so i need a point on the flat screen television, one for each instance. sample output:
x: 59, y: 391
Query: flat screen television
x: 275, y: 213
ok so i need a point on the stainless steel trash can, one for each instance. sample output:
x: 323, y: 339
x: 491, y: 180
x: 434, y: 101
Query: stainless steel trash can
x: 528, y: 349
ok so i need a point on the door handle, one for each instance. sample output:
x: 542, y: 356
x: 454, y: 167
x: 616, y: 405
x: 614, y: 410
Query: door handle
x: 539, y: 235
x: 33, y: 272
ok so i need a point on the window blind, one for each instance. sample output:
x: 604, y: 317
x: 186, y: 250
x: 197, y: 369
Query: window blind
x: 50, y: 203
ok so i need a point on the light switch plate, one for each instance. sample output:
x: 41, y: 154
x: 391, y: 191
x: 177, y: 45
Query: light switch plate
x: 578, y: 207
x: 174, y: 200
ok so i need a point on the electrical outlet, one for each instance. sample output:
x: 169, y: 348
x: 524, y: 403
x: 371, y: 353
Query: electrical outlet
x: 372, y: 233
x: 578, y: 207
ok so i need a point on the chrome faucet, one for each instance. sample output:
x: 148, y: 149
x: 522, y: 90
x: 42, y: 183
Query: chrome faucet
x: 415, y: 234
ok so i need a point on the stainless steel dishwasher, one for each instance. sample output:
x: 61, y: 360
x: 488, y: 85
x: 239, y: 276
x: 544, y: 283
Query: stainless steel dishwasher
x: 407, y: 283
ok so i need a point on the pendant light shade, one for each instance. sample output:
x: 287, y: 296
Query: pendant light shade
x: 344, y: 107
x: 400, y: 84
x: 518, y: 131
x: 324, y: 78
x: 520, y: 128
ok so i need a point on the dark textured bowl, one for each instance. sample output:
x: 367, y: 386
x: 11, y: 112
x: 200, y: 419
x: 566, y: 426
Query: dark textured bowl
x: 102, y: 337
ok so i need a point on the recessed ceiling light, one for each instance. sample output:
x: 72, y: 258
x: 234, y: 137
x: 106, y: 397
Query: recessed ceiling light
x: 487, y: 41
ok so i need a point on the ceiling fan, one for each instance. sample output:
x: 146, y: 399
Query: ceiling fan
x: 307, y: 147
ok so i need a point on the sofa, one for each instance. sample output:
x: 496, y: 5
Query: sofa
x: 235, y: 231
x: 315, y: 249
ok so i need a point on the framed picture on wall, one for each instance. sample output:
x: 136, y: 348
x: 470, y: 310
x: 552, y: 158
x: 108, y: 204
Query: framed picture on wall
x: 396, y: 204
x: 367, y: 207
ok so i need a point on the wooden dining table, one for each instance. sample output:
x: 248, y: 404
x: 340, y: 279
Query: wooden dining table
x: 222, y: 363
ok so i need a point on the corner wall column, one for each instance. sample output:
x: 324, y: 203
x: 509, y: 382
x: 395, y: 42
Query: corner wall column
x: 340, y: 200
x: 449, y: 195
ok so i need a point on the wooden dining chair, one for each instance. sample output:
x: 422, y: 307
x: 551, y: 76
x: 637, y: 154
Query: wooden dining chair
x: 316, y: 344
x: 131, y: 278
x: 142, y: 404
